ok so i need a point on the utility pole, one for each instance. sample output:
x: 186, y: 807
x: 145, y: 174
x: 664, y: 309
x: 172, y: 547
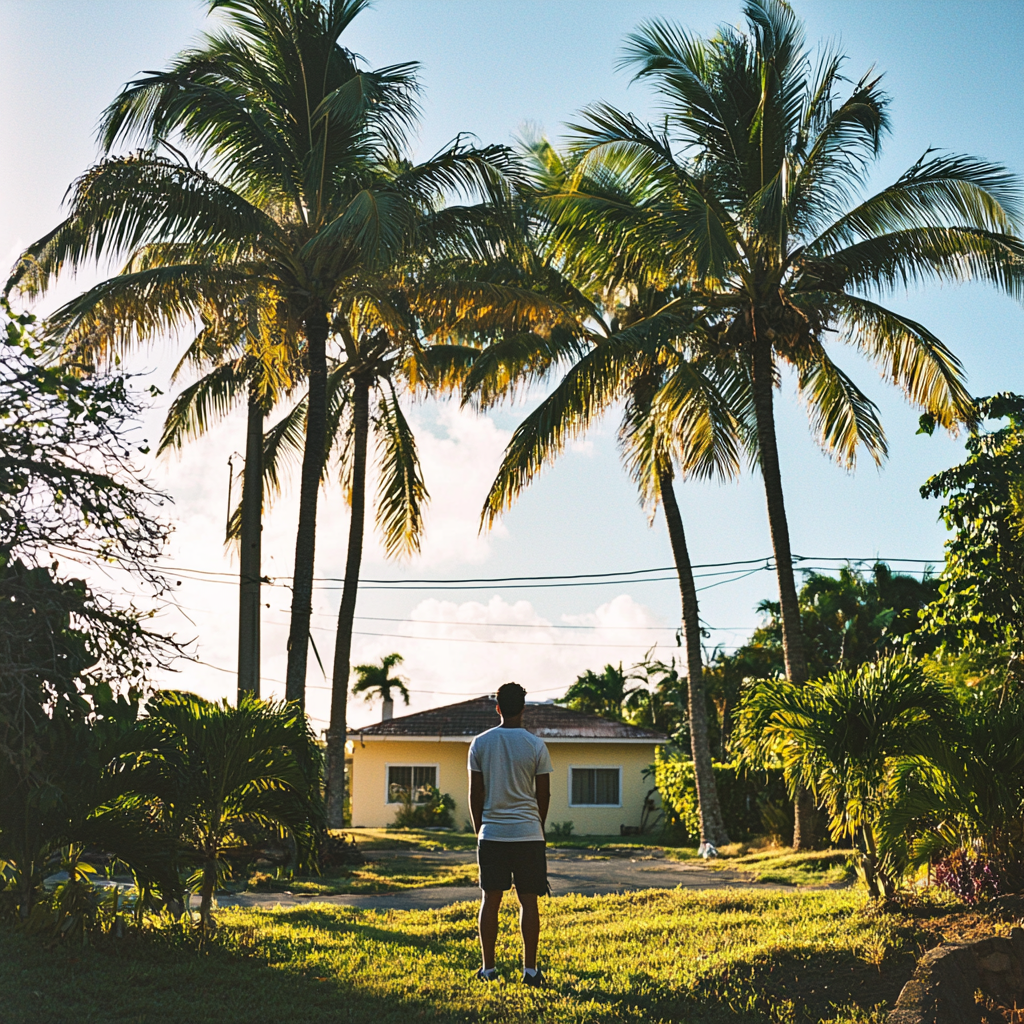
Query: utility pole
x: 250, y: 551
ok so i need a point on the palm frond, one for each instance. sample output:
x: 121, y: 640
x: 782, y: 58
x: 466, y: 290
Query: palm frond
x: 842, y: 417
x: 401, y: 493
x: 909, y: 356
x: 201, y: 404
x: 916, y: 255
x: 583, y: 394
x: 936, y: 192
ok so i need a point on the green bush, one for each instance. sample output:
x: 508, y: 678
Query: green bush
x: 433, y: 812
x: 753, y: 803
x: 561, y: 829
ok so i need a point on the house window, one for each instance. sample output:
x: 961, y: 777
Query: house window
x: 417, y: 779
x: 594, y: 787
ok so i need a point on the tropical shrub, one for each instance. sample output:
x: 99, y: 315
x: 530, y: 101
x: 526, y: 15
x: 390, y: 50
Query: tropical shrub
x: 848, y: 738
x: 432, y: 810
x: 958, y: 802
x: 82, y: 793
x: 214, y: 770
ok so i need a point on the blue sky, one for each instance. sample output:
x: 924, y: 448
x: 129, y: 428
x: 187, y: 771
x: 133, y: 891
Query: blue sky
x: 954, y: 71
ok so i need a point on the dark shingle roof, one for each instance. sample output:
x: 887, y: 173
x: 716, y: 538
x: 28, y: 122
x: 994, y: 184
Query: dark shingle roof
x: 472, y: 717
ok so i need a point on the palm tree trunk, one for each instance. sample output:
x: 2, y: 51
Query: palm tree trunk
x: 712, y: 824
x: 250, y: 552
x: 763, y: 384
x: 206, y: 902
x: 337, y: 733
x: 305, y: 538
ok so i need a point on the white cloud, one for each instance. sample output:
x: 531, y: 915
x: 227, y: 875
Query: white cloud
x: 455, y: 651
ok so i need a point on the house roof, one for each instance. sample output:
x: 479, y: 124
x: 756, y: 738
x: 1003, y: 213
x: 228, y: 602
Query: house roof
x: 472, y: 717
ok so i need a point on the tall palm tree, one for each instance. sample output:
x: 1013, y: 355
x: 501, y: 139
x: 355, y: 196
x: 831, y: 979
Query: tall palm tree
x: 300, y: 194
x: 377, y: 681
x: 411, y: 346
x: 629, y: 342
x: 757, y: 173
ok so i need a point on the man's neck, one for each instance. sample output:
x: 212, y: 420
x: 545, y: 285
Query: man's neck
x: 512, y: 723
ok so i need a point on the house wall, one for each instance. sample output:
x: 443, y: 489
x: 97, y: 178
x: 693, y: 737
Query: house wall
x: 369, y: 780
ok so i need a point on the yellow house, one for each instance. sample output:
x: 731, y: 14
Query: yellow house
x: 598, y: 782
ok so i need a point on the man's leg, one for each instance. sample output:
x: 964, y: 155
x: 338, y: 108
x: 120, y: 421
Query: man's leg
x: 490, y: 904
x: 529, y: 925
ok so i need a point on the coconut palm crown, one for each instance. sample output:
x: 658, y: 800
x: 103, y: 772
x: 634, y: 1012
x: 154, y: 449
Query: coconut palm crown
x: 755, y: 180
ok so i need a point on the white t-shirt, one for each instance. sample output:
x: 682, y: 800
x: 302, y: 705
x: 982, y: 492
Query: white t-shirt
x: 510, y: 760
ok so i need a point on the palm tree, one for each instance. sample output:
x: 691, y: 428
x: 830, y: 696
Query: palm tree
x: 215, y: 770
x: 755, y: 176
x: 603, y: 693
x: 629, y: 341
x: 377, y: 681
x: 305, y: 199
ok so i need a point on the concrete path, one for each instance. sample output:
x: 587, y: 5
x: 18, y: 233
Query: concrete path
x: 586, y: 873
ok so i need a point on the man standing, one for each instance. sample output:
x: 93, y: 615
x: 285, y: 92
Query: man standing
x: 509, y: 793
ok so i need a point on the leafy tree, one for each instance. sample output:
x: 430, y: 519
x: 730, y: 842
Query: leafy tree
x: 376, y: 681
x: 214, y: 769
x: 980, y: 600
x: 67, y: 480
x: 843, y: 737
x: 754, y: 185
x: 76, y: 790
x: 68, y: 484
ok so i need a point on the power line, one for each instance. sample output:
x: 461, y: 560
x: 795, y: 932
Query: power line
x: 544, y: 581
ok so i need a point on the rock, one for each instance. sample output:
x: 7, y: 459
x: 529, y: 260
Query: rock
x: 942, y: 989
x: 995, y: 962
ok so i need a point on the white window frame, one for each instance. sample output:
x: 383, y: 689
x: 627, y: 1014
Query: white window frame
x: 606, y: 767
x: 388, y: 765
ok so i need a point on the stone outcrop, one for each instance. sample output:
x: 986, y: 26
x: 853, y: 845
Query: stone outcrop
x: 944, y: 986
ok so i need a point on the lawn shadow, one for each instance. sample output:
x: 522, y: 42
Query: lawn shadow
x: 159, y: 981
x: 808, y: 986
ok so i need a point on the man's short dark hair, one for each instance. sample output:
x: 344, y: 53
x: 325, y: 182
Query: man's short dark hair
x: 511, y: 699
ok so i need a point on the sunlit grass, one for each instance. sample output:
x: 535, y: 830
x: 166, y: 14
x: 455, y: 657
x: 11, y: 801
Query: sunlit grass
x: 714, y: 957
x: 388, y: 875
x: 781, y: 866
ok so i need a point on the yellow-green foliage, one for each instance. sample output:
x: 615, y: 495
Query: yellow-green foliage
x: 714, y: 957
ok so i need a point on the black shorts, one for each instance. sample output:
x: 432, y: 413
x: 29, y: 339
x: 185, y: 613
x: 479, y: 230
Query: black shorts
x: 524, y: 863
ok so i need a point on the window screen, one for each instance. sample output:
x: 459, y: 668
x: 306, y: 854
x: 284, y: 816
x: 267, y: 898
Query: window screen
x: 595, y: 786
x: 417, y: 778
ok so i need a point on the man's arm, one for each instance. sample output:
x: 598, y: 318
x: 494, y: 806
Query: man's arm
x: 543, y: 796
x: 476, y: 799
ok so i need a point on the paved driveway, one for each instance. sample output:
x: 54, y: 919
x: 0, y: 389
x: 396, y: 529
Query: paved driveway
x: 569, y: 871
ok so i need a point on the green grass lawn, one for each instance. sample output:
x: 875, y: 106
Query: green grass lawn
x: 717, y: 957
x: 781, y: 866
x: 377, y: 876
x: 774, y: 865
